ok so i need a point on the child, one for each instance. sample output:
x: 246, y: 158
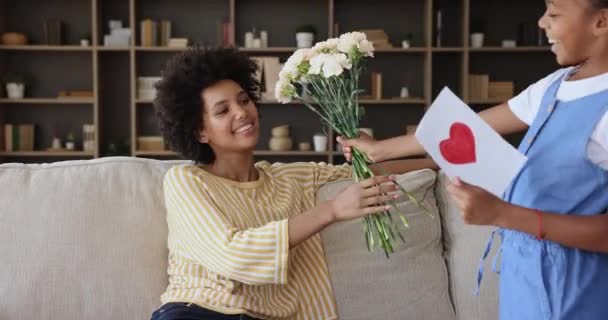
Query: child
x: 555, y: 235
x: 232, y: 222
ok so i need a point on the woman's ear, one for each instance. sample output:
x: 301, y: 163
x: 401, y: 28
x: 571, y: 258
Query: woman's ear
x: 201, y: 136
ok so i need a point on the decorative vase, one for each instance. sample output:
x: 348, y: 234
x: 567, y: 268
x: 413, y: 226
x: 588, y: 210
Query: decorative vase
x: 305, y: 39
x: 477, y: 40
x: 320, y: 142
x: 15, y: 90
x: 280, y: 144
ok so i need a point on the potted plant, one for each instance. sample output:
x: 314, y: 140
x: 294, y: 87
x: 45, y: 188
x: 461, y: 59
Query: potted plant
x: 407, y: 42
x: 70, y: 141
x: 85, y: 39
x: 305, y: 35
x: 478, y: 30
x: 14, y: 83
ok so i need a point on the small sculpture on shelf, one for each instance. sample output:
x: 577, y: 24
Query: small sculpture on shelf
x: 280, y: 140
x: 256, y: 40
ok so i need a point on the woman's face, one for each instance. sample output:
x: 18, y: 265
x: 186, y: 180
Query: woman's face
x: 230, y: 118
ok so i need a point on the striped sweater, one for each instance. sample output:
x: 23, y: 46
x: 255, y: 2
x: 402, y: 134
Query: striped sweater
x: 229, y: 243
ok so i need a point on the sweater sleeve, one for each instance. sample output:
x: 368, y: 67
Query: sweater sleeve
x: 256, y: 256
x: 324, y: 173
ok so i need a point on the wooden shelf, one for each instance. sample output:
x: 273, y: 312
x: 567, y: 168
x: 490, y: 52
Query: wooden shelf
x: 47, y: 101
x: 46, y: 154
x: 113, y: 49
x: 46, y: 48
x: 448, y: 49
x: 159, y: 49
x: 516, y: 49
x: 114, y: 70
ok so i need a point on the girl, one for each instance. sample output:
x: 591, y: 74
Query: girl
x: 554, y: 232
x: 243, y: 239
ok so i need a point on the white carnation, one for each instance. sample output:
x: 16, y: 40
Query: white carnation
x: 284, y: 91
x: 347, y: 41
x: 366, y: 48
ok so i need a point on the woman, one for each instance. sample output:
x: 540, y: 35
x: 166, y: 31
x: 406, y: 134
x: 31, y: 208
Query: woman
x: 243, y: 236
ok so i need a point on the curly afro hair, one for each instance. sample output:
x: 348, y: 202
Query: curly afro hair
x: 179, y: 104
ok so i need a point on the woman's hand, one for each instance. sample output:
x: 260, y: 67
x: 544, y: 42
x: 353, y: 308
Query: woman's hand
x: 477, y: 206
x: 364, y: 143
x: 364, y: 198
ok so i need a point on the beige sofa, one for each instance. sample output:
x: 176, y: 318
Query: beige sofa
x: 87, y: 240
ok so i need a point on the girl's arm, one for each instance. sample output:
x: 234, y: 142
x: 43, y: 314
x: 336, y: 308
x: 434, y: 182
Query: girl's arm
x: 500, y: 118
x: 483, y: 208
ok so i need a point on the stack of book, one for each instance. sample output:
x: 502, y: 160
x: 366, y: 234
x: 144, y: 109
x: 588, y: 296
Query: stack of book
x: 481, y: 88
x: 18, y: 137
x: 378, y: 37
x: 500, y: 90
x: 268, y: 75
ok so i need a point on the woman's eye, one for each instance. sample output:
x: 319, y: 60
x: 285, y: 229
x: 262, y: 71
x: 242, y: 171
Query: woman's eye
x: 223, y: 111
x: 245, y: 101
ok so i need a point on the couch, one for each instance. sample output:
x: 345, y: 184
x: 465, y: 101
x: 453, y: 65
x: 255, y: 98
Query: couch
x: 86, y: 239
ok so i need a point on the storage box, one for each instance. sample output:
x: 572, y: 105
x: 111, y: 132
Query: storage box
x: 502, y: 90
x: 150, y: 143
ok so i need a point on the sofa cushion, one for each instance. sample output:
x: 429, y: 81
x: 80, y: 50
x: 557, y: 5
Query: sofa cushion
x: 464, y: 245
x: 412, y: 284
x: 82, y: 239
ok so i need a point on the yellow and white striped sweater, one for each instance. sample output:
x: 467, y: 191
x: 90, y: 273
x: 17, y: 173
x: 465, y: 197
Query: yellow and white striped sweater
x: 229, y: 242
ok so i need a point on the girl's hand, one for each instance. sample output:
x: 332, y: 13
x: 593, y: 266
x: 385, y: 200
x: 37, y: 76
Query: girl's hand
x: 364, y: 143
x: 477, y: 206
x: 364, y: 198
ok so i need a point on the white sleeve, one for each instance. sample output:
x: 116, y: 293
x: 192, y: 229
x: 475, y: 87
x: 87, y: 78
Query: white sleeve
x: 526, y: 104
x: 597, y: 149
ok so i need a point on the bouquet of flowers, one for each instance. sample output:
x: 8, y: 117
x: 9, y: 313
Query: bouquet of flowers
x: 325, y: 78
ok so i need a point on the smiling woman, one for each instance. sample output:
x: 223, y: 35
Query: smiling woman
x: 234, y: 224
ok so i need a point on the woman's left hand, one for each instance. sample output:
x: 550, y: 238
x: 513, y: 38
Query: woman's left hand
x: 477, y: 205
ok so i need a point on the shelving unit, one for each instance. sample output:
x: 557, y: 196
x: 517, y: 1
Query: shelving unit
x: 111, y: 72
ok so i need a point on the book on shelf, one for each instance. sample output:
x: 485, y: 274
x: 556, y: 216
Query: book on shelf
x: 376, y: 81
x: 18, y: 137
x: 178, y: 42
x: 478, y: 86
x: 268, y: 75
x: 165, y: 32
x: 148, y: 30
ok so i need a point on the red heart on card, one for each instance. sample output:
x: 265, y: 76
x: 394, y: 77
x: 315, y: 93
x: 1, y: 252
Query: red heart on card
x: 460, y: 147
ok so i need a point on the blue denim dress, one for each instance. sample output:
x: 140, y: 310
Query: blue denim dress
x: 541, y: 279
